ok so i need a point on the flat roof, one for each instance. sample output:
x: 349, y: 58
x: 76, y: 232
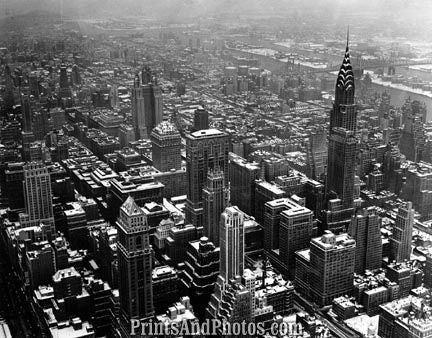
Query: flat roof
x: 207, y: 133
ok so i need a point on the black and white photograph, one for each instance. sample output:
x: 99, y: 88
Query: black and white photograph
x: 215, y: 168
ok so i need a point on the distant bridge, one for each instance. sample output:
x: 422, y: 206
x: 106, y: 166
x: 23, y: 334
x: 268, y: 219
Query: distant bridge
x: 373, y: 64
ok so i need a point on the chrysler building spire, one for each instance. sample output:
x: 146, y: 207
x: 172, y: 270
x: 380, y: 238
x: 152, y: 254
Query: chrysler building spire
x: 345, y: 80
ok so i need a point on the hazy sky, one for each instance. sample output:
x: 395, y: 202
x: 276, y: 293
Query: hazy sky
x: 409, y: 15
x: 205, y: 6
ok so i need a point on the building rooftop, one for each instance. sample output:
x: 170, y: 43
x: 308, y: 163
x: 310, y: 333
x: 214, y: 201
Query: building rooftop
x: 330, y: 241
x: 343, y: 302
x: 305, y: 254
x: 166, y: 128
x: 163, y: 271
x: 74, y: 328
x: 364, y: 324
x: 64, y: 273
x: 271, y: 187
x: 206, y: 133
x: 402, y: 306
x: 131, y: 208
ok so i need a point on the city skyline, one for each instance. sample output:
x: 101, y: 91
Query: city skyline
x: 238, y: 169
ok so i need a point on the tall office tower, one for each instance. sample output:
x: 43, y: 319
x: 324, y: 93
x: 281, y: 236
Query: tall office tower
x: 201, y: 119
x: 30, y: 151
x: 135, y: 257
x: 332, y: 259
x: 138, y: 107
x: 147, y: 110
x: 200, y: 272
x: 26, y: 114
x: 295, y: 232
x: 231, y: 299
x: 40, y: 264
x: 317, y: 153
x: 64, y: 90
x: 413, y: 138
x: 9, y: 99
x: 287, y: 228
x: 216, y: 199
x: 401, y: 238
x: 242, y: 176
x: 231, y: 243
x: 205, y: 150
x: 384, y: 106
x: 166, y: 147
x: 365, y: 228
x: 64, y: 81
x: 392, y: 169
x: 34, y: 84
x: 418, y: 188
x: 342, y: 164
x: 342, y: 148
x: 156, y: 105
x: 340, y: 185
x: 37, y: 196
x: 411, y: 109
x: 75, y: 76
x: 114, y: 96
x: 126, y: 135
x: 265, y: 192
x: 428, y: 269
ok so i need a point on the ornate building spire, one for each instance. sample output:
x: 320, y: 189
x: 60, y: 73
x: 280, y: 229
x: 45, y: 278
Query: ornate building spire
x: 344, y: 113
x: 347, y: 38
x: 345, y: 79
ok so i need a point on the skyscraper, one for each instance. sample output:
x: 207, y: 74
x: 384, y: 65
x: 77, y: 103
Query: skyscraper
x: 216, y: 199
x: 37, y: 196
x: 200, y: 273
x: 9, y: 100
x: 401, y: 238
x: 147, y: 110
x: 365, y: 229
x: 205, y: 150
x: 342, y: 148
x: 317, y: 152
x: 201, y: 119
x: 231, y: 243
x: 332, y: 260
x: 27, y: 135
x: 135, y: 257
x: 295, y: 232
x: 64, y: 90
x: 34, y: 84
x: 138, y: 106
x: 287, y: 228
x: 344, y: 113
x: 75, y: 76
x: 242, y: 176
x: 26, y: 114
x: 342, y: 162
x: 231, y: 300
x: 166, y: 147
x: 64, y: 81
x: 428, y: 269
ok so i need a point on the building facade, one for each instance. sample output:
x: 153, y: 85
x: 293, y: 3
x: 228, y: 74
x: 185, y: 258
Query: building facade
x: 135, y: 257
x: 205, y: 150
